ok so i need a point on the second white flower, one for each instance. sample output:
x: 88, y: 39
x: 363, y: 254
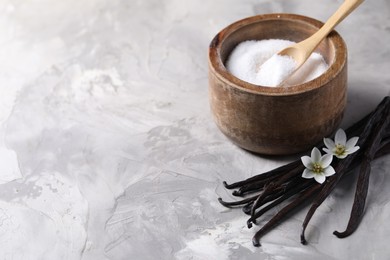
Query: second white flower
x: 317, y: 166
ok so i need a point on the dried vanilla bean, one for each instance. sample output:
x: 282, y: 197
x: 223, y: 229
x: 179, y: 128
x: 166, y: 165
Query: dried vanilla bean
x: 237, y: 203
x: 343, y: 165
x: 327, y: 188
x: 272, y: 174
x: 278, y: 191
x: 363, y: 180
x: 277, y: 201
x: 285, y: 182
x: 269, y: 188
x: 302, y: 197
x: 250, y: 188
x: 359, y: 202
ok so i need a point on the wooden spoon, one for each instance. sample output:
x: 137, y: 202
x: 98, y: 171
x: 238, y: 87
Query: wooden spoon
x: 301, y: 51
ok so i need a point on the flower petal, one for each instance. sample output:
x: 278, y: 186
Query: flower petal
x: 327, y: 151
x: 340, y: 137
x: 351, y: 142
x: 329, y: 171
x: 341, y: 156
x: 353, y: 149
x: 319, y: 178
x: 315, y: 155
x: 306, y: 160
x: 308, y: 174
x: 329, y: 143
x: 326, y: 160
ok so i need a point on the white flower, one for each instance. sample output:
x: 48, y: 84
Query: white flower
x: 317, y: 166
x: 341, y: 147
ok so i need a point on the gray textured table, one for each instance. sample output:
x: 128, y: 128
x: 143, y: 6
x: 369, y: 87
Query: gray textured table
x: 108, y: 149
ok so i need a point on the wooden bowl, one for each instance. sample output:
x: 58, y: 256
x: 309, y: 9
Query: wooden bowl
x: 278, y: 120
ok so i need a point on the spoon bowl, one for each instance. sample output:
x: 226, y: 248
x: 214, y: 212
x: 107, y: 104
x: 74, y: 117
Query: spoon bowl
x: 301, y: 51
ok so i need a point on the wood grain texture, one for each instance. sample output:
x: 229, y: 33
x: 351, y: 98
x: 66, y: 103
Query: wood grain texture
x: 277, y: 120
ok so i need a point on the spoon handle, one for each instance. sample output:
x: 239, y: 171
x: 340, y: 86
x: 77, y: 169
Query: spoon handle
x: 344, y: 10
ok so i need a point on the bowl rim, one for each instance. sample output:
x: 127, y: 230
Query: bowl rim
x: 217, y: 66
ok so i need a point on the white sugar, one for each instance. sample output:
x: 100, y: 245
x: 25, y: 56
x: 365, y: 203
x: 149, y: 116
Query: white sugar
x: 275, y: 70
x: 256, y: 62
